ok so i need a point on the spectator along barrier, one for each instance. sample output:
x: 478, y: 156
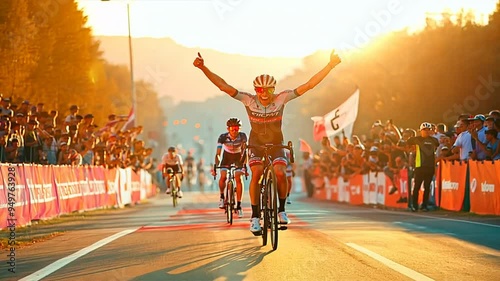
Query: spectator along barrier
x: 37, y: 192
x: 461, y: 186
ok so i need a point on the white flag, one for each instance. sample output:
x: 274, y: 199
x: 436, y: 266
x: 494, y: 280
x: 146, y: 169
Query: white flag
x: 342, y: 117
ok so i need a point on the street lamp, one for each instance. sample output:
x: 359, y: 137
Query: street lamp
x: 131, y: 62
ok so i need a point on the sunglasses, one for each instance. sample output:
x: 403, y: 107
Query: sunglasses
x: 234, y: 128
x: 261, y: 90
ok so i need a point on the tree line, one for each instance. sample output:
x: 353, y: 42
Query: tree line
x: 47, y: 54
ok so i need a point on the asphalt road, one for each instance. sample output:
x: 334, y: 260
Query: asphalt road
x: 326, y: 241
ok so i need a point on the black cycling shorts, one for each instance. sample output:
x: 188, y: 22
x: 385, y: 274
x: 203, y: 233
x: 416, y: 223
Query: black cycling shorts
x: 231, y: 158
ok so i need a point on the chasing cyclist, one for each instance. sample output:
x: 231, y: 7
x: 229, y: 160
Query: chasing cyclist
x: 174, y: 161
x: 265, y: 112
x: 231, y: 143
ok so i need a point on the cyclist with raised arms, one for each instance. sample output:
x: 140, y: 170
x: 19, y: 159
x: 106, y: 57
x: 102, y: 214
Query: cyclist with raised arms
x: 174, y: 161
x: 231, y: 144
x: 265, y: 112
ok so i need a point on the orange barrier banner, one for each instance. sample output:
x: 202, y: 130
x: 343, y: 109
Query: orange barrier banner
x: 484, y: 187
x: 398, y: 198
x: 356, y: 190
x: 40, y: 184
x: 452, y: 184
x: 68, y: 190
x: 136, y: 188
x: 16, y: 194
x: 333, y: 190
x: 112, y: 178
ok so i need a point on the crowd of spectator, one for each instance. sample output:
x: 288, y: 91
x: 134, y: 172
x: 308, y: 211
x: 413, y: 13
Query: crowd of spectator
x: 384, y: 148
x: 29, y: 133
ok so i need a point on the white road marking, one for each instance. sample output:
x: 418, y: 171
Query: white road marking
x: 64, y: 261
x: 423, y: 228
x: 439, y: 218
x: 410, y: 273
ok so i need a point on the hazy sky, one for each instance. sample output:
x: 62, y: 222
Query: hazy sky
x: 288, y: 28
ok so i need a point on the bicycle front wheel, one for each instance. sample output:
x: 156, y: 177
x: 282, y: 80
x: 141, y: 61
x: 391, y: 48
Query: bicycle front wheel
x: 265, y: 213
x: 174, y: 191
x: 229, y: 199
x: 272, y: 191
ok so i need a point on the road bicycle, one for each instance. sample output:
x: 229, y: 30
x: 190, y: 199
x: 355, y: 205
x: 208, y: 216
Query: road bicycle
x: 269, y: 194
x: 230, y: 191
x: 173, y: 186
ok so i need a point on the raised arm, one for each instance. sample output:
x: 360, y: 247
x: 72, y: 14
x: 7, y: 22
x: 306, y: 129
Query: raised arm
x: 214, y: 78
x: 318, y: 77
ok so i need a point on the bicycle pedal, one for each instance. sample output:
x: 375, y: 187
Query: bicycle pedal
x: 283, y: 228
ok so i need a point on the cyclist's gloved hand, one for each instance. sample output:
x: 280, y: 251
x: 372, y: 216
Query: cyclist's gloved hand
x: 213, y: 173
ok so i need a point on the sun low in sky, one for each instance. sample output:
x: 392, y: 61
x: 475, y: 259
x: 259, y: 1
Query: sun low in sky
x: 266, y: 28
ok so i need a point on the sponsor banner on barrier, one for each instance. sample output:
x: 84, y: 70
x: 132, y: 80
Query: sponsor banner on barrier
x: 484, y: 187
x: 333, y: 190
x: 112, y: 185
x: 97, y: 181
x: 39, y: 181
x: 68, y: 189
x: 125, y: 190
x: 19, y: 198
x: 136, y: 189
x: 452, y: 184
x: 396, y: 193
x: 4, y: 207
x: 356, y: 190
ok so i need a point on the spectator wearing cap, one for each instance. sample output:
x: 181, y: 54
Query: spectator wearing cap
x: 489, y: 122
x: 24, y: 108
x: 425, y: 164
x: 373, y: 163
x: 491, y: 147
x: 478, y: 135
x: 63, y: 154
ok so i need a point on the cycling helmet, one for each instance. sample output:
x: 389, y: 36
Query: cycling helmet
x: 171, y: 149
x: 264, y: 81
x: 233, y: 122
x: 426, y: 125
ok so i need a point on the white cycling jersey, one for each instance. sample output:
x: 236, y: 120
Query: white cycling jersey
x: 171, y: 161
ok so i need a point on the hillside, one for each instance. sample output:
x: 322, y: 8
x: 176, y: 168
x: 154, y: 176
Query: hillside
x: 168, y: 66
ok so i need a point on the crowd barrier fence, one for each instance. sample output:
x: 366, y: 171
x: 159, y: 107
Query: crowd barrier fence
x: 30, y: 192
x: 470, y: 186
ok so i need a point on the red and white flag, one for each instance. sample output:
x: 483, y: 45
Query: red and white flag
x: 130, y: 120
x: 337, y: 120
x: 305, y: 147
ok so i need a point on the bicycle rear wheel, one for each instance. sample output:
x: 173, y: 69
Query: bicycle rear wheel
x: 229, y: 199
x: 272, y: 191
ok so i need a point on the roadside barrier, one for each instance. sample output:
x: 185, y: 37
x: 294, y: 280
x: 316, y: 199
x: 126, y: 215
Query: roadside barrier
x: 458, y: 186
x: 38, y: 192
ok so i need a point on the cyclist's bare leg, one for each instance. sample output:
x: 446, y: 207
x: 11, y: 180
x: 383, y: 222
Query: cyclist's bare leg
x: 289, y: 181
x: 254, y: 189
x: 222, y: 182
x: 178, y: 178
x: 280, y: 171
x: 239, y: 188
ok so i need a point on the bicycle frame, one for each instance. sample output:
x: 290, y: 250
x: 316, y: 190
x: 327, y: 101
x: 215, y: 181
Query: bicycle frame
x: 269, y: 194
x: 173, y: 186
x: 230, y: 191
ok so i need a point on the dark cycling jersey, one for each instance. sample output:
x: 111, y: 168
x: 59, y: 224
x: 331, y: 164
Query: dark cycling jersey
x: 229, y: 145
x: 265, y: 121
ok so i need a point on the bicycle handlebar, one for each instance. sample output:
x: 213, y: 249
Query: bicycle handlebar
x: 230, y: 167
x: 268, y: 146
